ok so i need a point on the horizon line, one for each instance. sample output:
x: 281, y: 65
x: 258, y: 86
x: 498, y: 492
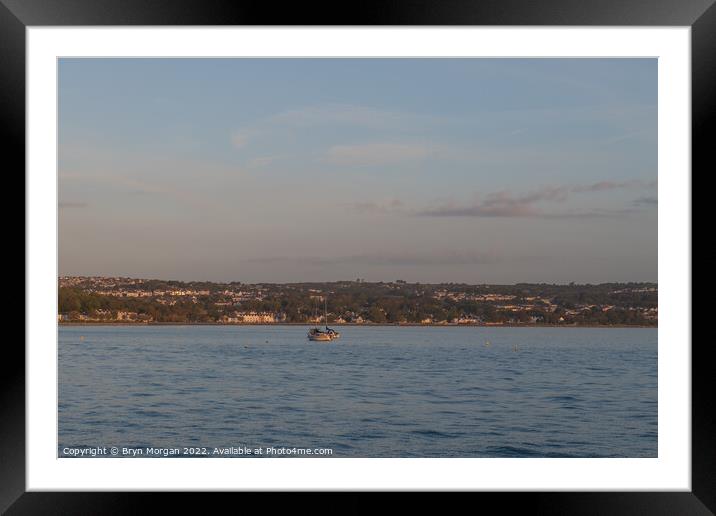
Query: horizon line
x: 361, y: 280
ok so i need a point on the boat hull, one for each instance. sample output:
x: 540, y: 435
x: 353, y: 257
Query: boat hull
x: 320, y: 338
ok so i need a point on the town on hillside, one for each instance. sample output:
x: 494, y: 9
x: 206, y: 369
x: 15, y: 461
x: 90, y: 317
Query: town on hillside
x: 132, y: 300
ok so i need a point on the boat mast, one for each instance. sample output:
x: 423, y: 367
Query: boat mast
x: 315, y: 313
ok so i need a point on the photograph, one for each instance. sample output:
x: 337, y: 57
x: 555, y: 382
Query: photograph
x: 357, y: 257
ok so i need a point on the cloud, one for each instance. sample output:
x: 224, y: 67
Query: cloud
x: 613, y: 185
x: 334, y: 115
x: 178, y: 178
x: 239, y: 139
x: 648, y: 201
x: 503, y: 204
x: 262, y: 161
x: 133, y: 186
x: 376, y: 153
x: 407, y: 259
x: 588, y: 214
x: 389, y: 206
x: 506, y: 204
x: 346, y: 114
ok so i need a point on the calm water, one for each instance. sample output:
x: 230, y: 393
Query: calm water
x: 377, y: 392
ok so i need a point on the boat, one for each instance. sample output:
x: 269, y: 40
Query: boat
x: 327, y: 335
x: 319, y: 335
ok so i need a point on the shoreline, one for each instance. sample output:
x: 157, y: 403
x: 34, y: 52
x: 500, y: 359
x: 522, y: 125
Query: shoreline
x: 390, y: 325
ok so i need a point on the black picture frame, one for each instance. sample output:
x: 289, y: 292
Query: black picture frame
x: 700, y: 15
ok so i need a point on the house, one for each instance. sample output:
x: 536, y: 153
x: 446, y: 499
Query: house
x: 256, y: 317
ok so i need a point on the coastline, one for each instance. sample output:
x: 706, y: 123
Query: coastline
x: 391, y: 325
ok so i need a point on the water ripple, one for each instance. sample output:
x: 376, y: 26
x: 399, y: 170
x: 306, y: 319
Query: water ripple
x: 378, y: 392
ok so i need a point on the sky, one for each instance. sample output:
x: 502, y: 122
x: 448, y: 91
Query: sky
x: 425, y: 170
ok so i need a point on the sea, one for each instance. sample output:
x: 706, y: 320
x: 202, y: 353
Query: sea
x: 378, y: 391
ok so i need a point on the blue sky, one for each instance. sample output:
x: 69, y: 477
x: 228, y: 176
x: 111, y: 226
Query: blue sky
x: 257, y: 170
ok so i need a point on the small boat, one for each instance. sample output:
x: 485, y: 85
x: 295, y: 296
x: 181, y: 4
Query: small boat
x: 326, y: 335
x: 319, y: 335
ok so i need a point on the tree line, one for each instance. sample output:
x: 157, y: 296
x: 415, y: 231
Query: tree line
x: 397, y: 302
